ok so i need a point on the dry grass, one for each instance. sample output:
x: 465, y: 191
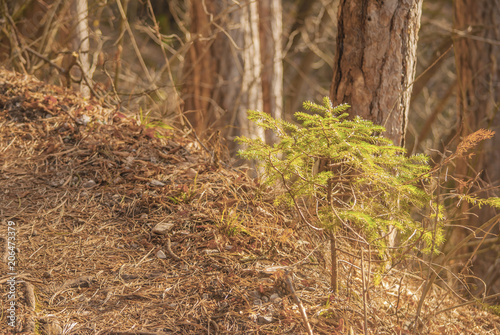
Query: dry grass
x: 85, y: 186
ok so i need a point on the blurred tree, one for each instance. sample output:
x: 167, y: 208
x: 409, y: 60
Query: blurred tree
x: 82, y: 43
x: 374, y: 64
x: 233, y: 64
x: 200, y: 67
x: 302, y: 51
x: 477, y: 57
x: 270, y: 29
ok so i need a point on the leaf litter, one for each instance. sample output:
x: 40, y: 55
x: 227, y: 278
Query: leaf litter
x: 121, y: 232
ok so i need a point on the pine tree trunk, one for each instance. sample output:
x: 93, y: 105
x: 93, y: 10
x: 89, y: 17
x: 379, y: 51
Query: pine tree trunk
x: 374, y: 65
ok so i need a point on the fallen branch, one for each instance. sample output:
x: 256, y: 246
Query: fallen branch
x: 170, y: 252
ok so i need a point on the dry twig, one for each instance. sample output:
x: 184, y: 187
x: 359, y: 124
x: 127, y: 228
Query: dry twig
x: 291, y: 289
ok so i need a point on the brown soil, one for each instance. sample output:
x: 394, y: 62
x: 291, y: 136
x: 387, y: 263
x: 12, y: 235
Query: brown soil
x: 84, y: 186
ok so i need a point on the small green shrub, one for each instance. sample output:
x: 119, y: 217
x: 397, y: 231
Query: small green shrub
x: 152, y: 129
x: 350, y: 175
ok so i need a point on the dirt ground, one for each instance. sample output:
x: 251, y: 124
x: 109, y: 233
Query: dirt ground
x: 117, y: 227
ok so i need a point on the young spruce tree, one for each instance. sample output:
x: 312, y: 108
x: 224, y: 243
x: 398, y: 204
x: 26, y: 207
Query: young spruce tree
x: 354, y: 179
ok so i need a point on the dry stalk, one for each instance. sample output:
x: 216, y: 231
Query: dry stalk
x: 167, y: 61
x: 364, y: 289
x: 399, y: 298
x: 134, y: 44
x: 15, y: 37
x: 47, y: 60
x: 119, y: 47
x: 470, y: 302
x: 291, y: 289
x: 333, y: 252
x: 434, y: 274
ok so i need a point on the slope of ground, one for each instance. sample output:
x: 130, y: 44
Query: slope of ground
x: 121, y: 232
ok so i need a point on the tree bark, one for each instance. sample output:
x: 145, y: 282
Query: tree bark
x: 374, y: 65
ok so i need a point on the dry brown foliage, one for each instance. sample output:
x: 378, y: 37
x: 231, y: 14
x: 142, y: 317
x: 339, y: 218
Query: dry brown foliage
x: 471, y: 141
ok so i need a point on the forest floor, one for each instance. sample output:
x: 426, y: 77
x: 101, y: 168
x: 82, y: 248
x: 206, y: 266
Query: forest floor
x: 118, y: 231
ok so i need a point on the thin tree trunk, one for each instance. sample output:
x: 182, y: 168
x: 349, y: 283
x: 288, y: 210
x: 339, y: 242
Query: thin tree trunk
x: 83, y: 43
x: 334, y: 280
x: 271, y: 29
x: 200, y: 69
x: 251, y: 90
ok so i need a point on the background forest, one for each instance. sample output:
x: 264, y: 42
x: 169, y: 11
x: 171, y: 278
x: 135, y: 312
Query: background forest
x: 428, y: 71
